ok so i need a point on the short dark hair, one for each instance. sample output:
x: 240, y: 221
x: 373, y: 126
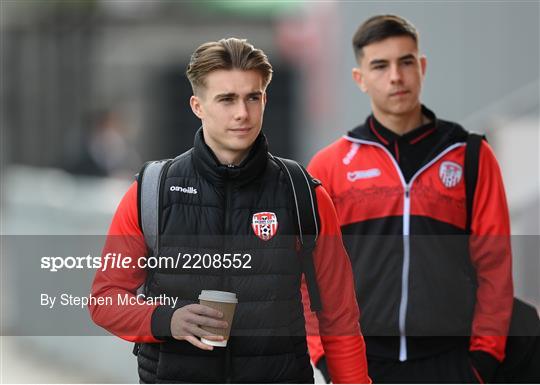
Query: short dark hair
x: 381, y: 27
x: 226, y: 54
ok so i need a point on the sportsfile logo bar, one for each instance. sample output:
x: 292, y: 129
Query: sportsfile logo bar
x: 118, y: 261
x: 187, y: 190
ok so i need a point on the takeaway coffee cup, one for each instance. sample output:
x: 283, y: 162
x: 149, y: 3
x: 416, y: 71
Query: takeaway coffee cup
x: 225, y: 302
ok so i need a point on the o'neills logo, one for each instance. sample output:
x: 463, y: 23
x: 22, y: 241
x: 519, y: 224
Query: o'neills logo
x: 450, y: 173
x: 264, y: 225
x: 187, y: 190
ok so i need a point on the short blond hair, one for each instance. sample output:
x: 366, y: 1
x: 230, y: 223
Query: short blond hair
x: 226, y: 54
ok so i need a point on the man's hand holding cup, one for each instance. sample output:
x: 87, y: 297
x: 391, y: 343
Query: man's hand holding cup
x: 187, y: 322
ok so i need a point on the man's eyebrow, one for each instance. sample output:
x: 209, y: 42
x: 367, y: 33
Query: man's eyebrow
x: 377, y: 62
x: 234, y: 95
x: 255, y: 93
x: 406, y: 57
x: 227, y: 95
x: 384, y: 61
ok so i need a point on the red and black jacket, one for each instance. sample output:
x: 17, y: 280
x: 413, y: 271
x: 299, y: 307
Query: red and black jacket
x: 420, y: 276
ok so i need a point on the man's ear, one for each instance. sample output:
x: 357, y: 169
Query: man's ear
x: 196, y: 106
x: 423, y: 65
x: 358, y: 78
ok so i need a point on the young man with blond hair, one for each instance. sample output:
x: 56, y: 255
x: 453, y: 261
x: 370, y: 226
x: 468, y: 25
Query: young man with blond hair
x: 213, y: 200
x: 433, y: 279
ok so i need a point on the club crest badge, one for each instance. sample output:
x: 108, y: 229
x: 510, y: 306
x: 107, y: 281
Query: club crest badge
x: 264, y: 225
x: 450, y: 173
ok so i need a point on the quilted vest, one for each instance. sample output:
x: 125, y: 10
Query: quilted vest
x: 209, y: 211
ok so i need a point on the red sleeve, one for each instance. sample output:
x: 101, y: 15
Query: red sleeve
x: 318, y: 167
x: 128, y: 321
x: 491, y: 256
x: 337, y: 322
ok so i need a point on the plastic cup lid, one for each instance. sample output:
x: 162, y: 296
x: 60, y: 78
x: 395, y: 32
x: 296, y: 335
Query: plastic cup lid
x: 218, y: 296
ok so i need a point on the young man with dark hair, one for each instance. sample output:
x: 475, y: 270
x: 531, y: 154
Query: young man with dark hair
x: 434, y: 285
x: 228, y: 196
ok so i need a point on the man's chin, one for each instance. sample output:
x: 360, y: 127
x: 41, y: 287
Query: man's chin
x: 242, y: 142
x: 402, y: 109
x: 241, y: 145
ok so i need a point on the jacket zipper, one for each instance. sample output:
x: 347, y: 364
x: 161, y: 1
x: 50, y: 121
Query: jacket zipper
x: 228, y: 188
x: 227, y: 224
x: 406, y: 235
x: 405, y: 273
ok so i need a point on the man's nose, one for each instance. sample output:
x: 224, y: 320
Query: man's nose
x: 241, y: 111
x: 395, y: 74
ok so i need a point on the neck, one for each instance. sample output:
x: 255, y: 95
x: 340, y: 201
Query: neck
x: 400, y: 123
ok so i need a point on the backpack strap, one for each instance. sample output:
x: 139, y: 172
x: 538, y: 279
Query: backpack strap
x: 150, y: 180
x: 472, y: 157
x: 305, y: 203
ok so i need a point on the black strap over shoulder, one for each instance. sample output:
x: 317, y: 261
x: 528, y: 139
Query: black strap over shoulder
x: 472, y: 157
x: 305, y: 202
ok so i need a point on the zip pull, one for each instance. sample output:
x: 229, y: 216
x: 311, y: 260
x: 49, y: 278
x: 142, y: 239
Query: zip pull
x: 407, y: 191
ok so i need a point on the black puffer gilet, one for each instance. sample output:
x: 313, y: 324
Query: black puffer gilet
x: 211, y: 213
